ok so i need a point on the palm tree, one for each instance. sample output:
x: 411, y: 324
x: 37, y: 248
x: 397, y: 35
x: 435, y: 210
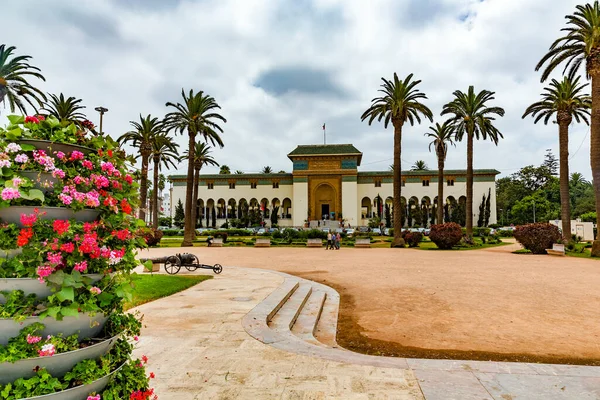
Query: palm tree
x: 267, y: 170
x: 419, y: 165
x: 202, y: 157
x: 142, y: 137
x: 13, y: 81
x: 197, y: 115
x: 471, y: 117
x: 65, y: 109
x: 164, y: 154
x: 224, y: 170
x: 400, y: 102
x: 565, y: 100
x: 441, y: 135
x: 238, y: 172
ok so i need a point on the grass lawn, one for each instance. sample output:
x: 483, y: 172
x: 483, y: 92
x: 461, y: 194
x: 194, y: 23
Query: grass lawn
x: 580, y: 251
x: 152, y: 287
x: 429, y: 245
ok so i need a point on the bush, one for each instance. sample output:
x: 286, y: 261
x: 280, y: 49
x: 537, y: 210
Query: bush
x: 505, y: 233
x: 172, y: 232
x: 446, y: 236
x: 152, y: 236
x: 478, y: 231
x: 221, y: 234
x: 537, y: 237
x: 412, y: 239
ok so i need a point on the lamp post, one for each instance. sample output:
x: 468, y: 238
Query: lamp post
x: 534, y: 211
x: 502, y: 216
x: 101, y: 110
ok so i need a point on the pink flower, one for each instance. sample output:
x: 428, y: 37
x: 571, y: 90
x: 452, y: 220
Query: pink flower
x: 136, y: 338
x: 44, y: 271
x: 76, y: 155
x: 54, y: 258
x: 10, y: 194
x: 60, y: 155
x: 88, y: 164
x: 65, y: 198
x: 17, y: 181
x: 21, y: 158
x: 47, y: 350
x: 5, y: 163
x: 80, y: 266
x: 58, y: 173
x: 13, y: 147
x: 95, y: 290
x: 96, y: 397
x: 33, y: 339
x: 128, y: 179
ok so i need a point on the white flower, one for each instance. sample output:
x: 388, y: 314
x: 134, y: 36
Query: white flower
x: 13, y: 148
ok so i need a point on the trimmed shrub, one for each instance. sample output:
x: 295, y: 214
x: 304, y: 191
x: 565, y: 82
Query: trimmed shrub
x: 221, y: 234
x: 505, y: 233
x: 537, y: 237
x: 412, y: 239
x: 152, y: 236
x: 446, y: 236
x: 172, y: 232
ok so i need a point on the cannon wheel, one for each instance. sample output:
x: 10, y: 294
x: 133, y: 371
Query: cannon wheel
x: 193, y: 267
x: 172, y: 265
x: 217, y: 268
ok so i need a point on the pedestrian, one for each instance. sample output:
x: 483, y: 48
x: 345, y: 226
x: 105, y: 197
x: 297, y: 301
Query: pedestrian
x: 338, y: 239
x: 329, y: 244
x: 318, y: 224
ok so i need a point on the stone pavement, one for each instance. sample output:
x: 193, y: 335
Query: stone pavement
x: 199, y: 349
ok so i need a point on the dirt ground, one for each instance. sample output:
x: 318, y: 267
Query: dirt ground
x: 480, y: 304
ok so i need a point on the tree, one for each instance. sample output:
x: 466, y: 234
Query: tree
x: 581, y: 45
x: 202, y: 157
x: 441, y: 135
x: 480, y: 218
x: 197, y: 115
x: 164, y: 154
x: 419, y: 165
x: 566, y: 101
x: 275, y: 215
x: 488, y: 209
x: 551, y: 162
x: 179, y: 217
x: 267, y: 170
x: 388, y: 216
x: 473, y: 119
x: 66, y: 110
x: 142, y: 137
x: 238, y: 172
x: 282, y: 172
x: 224, y: 170
x: 400, y: 103
x: 14, y: 86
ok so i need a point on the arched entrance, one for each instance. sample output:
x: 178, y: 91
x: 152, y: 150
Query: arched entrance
x: 325, y: 202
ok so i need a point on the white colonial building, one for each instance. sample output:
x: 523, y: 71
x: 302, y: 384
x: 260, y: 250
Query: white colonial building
x: 326, y: 181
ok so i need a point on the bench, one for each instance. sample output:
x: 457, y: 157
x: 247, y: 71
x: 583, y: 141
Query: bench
x: 556, y: 250
x: 314, y: 243
x: 217, y: 242
x: 262, y: 243
x: 363, y: 243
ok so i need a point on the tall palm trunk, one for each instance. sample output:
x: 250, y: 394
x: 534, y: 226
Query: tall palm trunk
x: 469, y: 208
x: 565, y: 198
x: 595, y: 146
x: 398, y: 241
x: 195, y: 195
x: 188, y: 233
x: 155, y: 192
x: 440, y: 202
x: 144, y: 186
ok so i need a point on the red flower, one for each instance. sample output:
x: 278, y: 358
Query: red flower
x: 123, y: 234
x: 145, y: 359
x: 40, y: 117
x: 24, y: 236
x: 33, y: 119
x: 110, y: 153
x: 128, y: 179
x: 125, y: 206
x: 152, y: 376
x: 28, y: 220
x: 110, y: 201
x: 67, y: 247
x: 61, y: 227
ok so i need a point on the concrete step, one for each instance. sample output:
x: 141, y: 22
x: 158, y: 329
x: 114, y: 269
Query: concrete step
x: 280, y: 296
x: 286, y: 316
x: 306, y: 324
x: 326, y: 328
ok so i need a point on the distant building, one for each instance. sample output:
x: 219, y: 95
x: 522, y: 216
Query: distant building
x: 326, y: 182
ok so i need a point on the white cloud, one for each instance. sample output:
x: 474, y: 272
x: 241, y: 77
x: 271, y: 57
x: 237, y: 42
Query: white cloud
x: 132, y: 59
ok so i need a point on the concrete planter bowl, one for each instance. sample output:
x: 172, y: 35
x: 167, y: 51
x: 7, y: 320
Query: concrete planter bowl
x: 10, y: 253
x: 50, y: 147
x: 79, y: 392
x: 13, y: 214
x: 40, y: 180
x: 33, y: 286
x: 84, y: 324
x: 57, y: 365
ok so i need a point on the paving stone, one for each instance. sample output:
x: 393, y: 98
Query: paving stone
x: 451, y: 385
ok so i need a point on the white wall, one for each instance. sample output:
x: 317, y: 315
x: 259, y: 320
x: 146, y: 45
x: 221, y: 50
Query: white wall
x: 350, y: 209
x: 300, y: 203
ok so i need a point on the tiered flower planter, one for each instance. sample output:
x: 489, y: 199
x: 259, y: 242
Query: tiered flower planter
x: 76, y: 240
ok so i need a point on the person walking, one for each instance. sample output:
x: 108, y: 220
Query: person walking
x: 338, y: 239
x: 329, y: 243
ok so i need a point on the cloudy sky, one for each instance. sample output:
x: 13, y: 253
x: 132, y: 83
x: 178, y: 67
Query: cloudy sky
x: 280, y: 69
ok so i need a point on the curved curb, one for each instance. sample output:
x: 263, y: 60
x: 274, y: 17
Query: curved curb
x: 255, y: 323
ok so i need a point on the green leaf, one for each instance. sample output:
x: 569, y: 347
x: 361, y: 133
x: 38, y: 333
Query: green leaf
x: 140, y: 223
x: 58, y: 278
x: 71, y: 311
x: 53, y: 311
x: 36, y: 194
x: 14, y: 134
x: 66, y: 293
x: 16, y: 119
x: 148, y: 265
x: 27, y: 147
x: 53, y: 122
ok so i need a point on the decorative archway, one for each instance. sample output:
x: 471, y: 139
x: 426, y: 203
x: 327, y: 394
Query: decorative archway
x: 365, y: 208
x: 325, y: 202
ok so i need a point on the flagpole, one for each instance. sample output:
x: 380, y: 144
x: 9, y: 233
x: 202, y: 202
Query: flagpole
x: 324, y: 135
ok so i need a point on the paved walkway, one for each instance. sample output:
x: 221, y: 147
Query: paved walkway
x: 199, y: 349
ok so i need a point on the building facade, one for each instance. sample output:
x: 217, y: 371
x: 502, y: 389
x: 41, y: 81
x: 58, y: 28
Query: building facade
x: 325, y: 183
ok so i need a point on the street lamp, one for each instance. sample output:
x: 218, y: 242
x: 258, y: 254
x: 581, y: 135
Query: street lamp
x: 534, y: 211
x: 502, y: 216
x: 101, y: 110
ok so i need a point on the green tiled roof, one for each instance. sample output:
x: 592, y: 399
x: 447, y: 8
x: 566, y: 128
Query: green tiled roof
x: 235, y: 176
x: 324, y: 150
